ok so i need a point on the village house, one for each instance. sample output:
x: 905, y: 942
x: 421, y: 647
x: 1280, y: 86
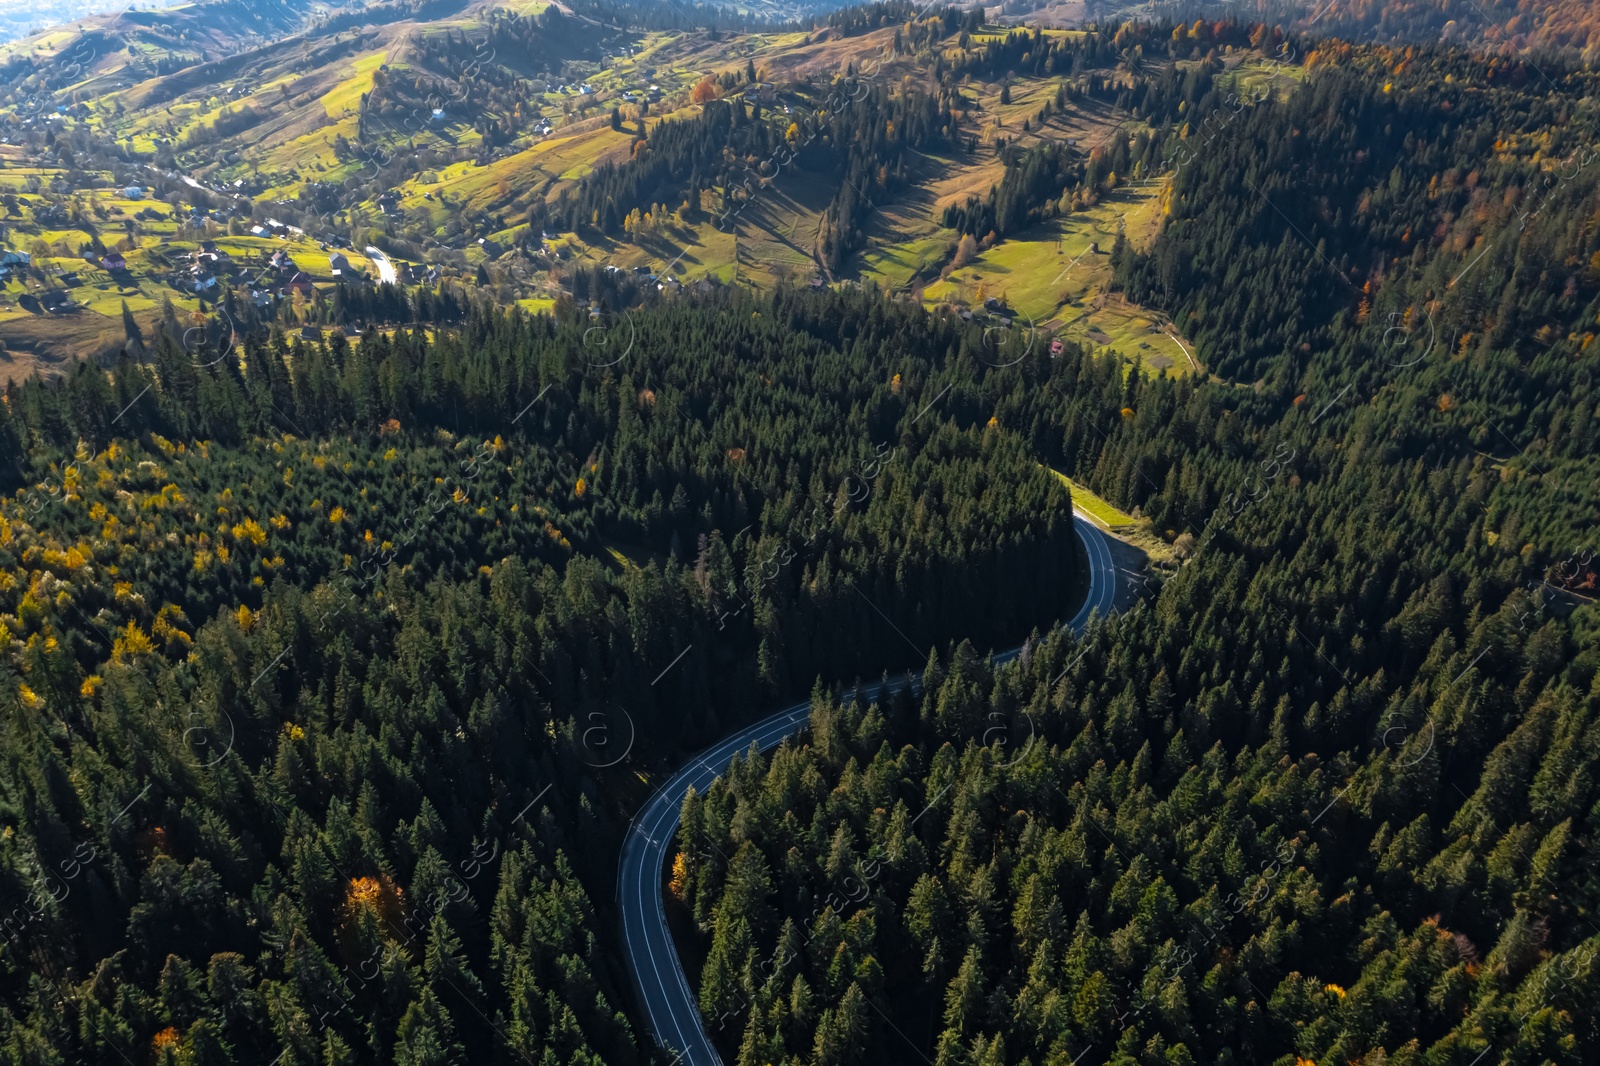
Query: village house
x: 56, y: 302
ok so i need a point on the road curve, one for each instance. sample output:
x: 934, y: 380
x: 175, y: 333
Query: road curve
x: 671, y: 1006
x: 386, y: 272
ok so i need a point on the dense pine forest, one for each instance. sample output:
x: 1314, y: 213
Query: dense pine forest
x: 1330, y: 796
x: 300, y: 635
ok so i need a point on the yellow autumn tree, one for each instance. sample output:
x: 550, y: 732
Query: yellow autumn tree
x: 166, y: 626
x: 131, y: 643
x: 250, y: 530
x: 363, y: 892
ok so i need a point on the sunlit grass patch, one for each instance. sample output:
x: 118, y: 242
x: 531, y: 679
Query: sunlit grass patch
x: 1094, y: 506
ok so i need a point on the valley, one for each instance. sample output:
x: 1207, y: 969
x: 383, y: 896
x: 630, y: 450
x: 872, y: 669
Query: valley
x: 448, y: 143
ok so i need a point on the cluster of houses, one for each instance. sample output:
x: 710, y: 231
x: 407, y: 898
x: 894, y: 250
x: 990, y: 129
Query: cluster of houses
x: 206, y: 273
x: 995, y: 308
x: 36, y: 122
x: 211, y: 269
x: 52, y: 301
x: 664, y: 282
x: 1003, y: 316
x: 271, y: 227
x: 284, y: 277
x: 633, y: 96
x: 199, y: 216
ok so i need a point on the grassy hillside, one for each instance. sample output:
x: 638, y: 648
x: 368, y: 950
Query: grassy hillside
x: 436, y: 131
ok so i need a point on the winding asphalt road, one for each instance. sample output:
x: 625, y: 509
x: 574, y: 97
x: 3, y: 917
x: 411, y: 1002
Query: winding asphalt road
x: 385, y: 268
x: 672, y: 1007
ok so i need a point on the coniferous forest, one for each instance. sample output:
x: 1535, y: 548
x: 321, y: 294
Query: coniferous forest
x: 334, y: 671
x: 313, y: 643
x: 1330, y: 796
